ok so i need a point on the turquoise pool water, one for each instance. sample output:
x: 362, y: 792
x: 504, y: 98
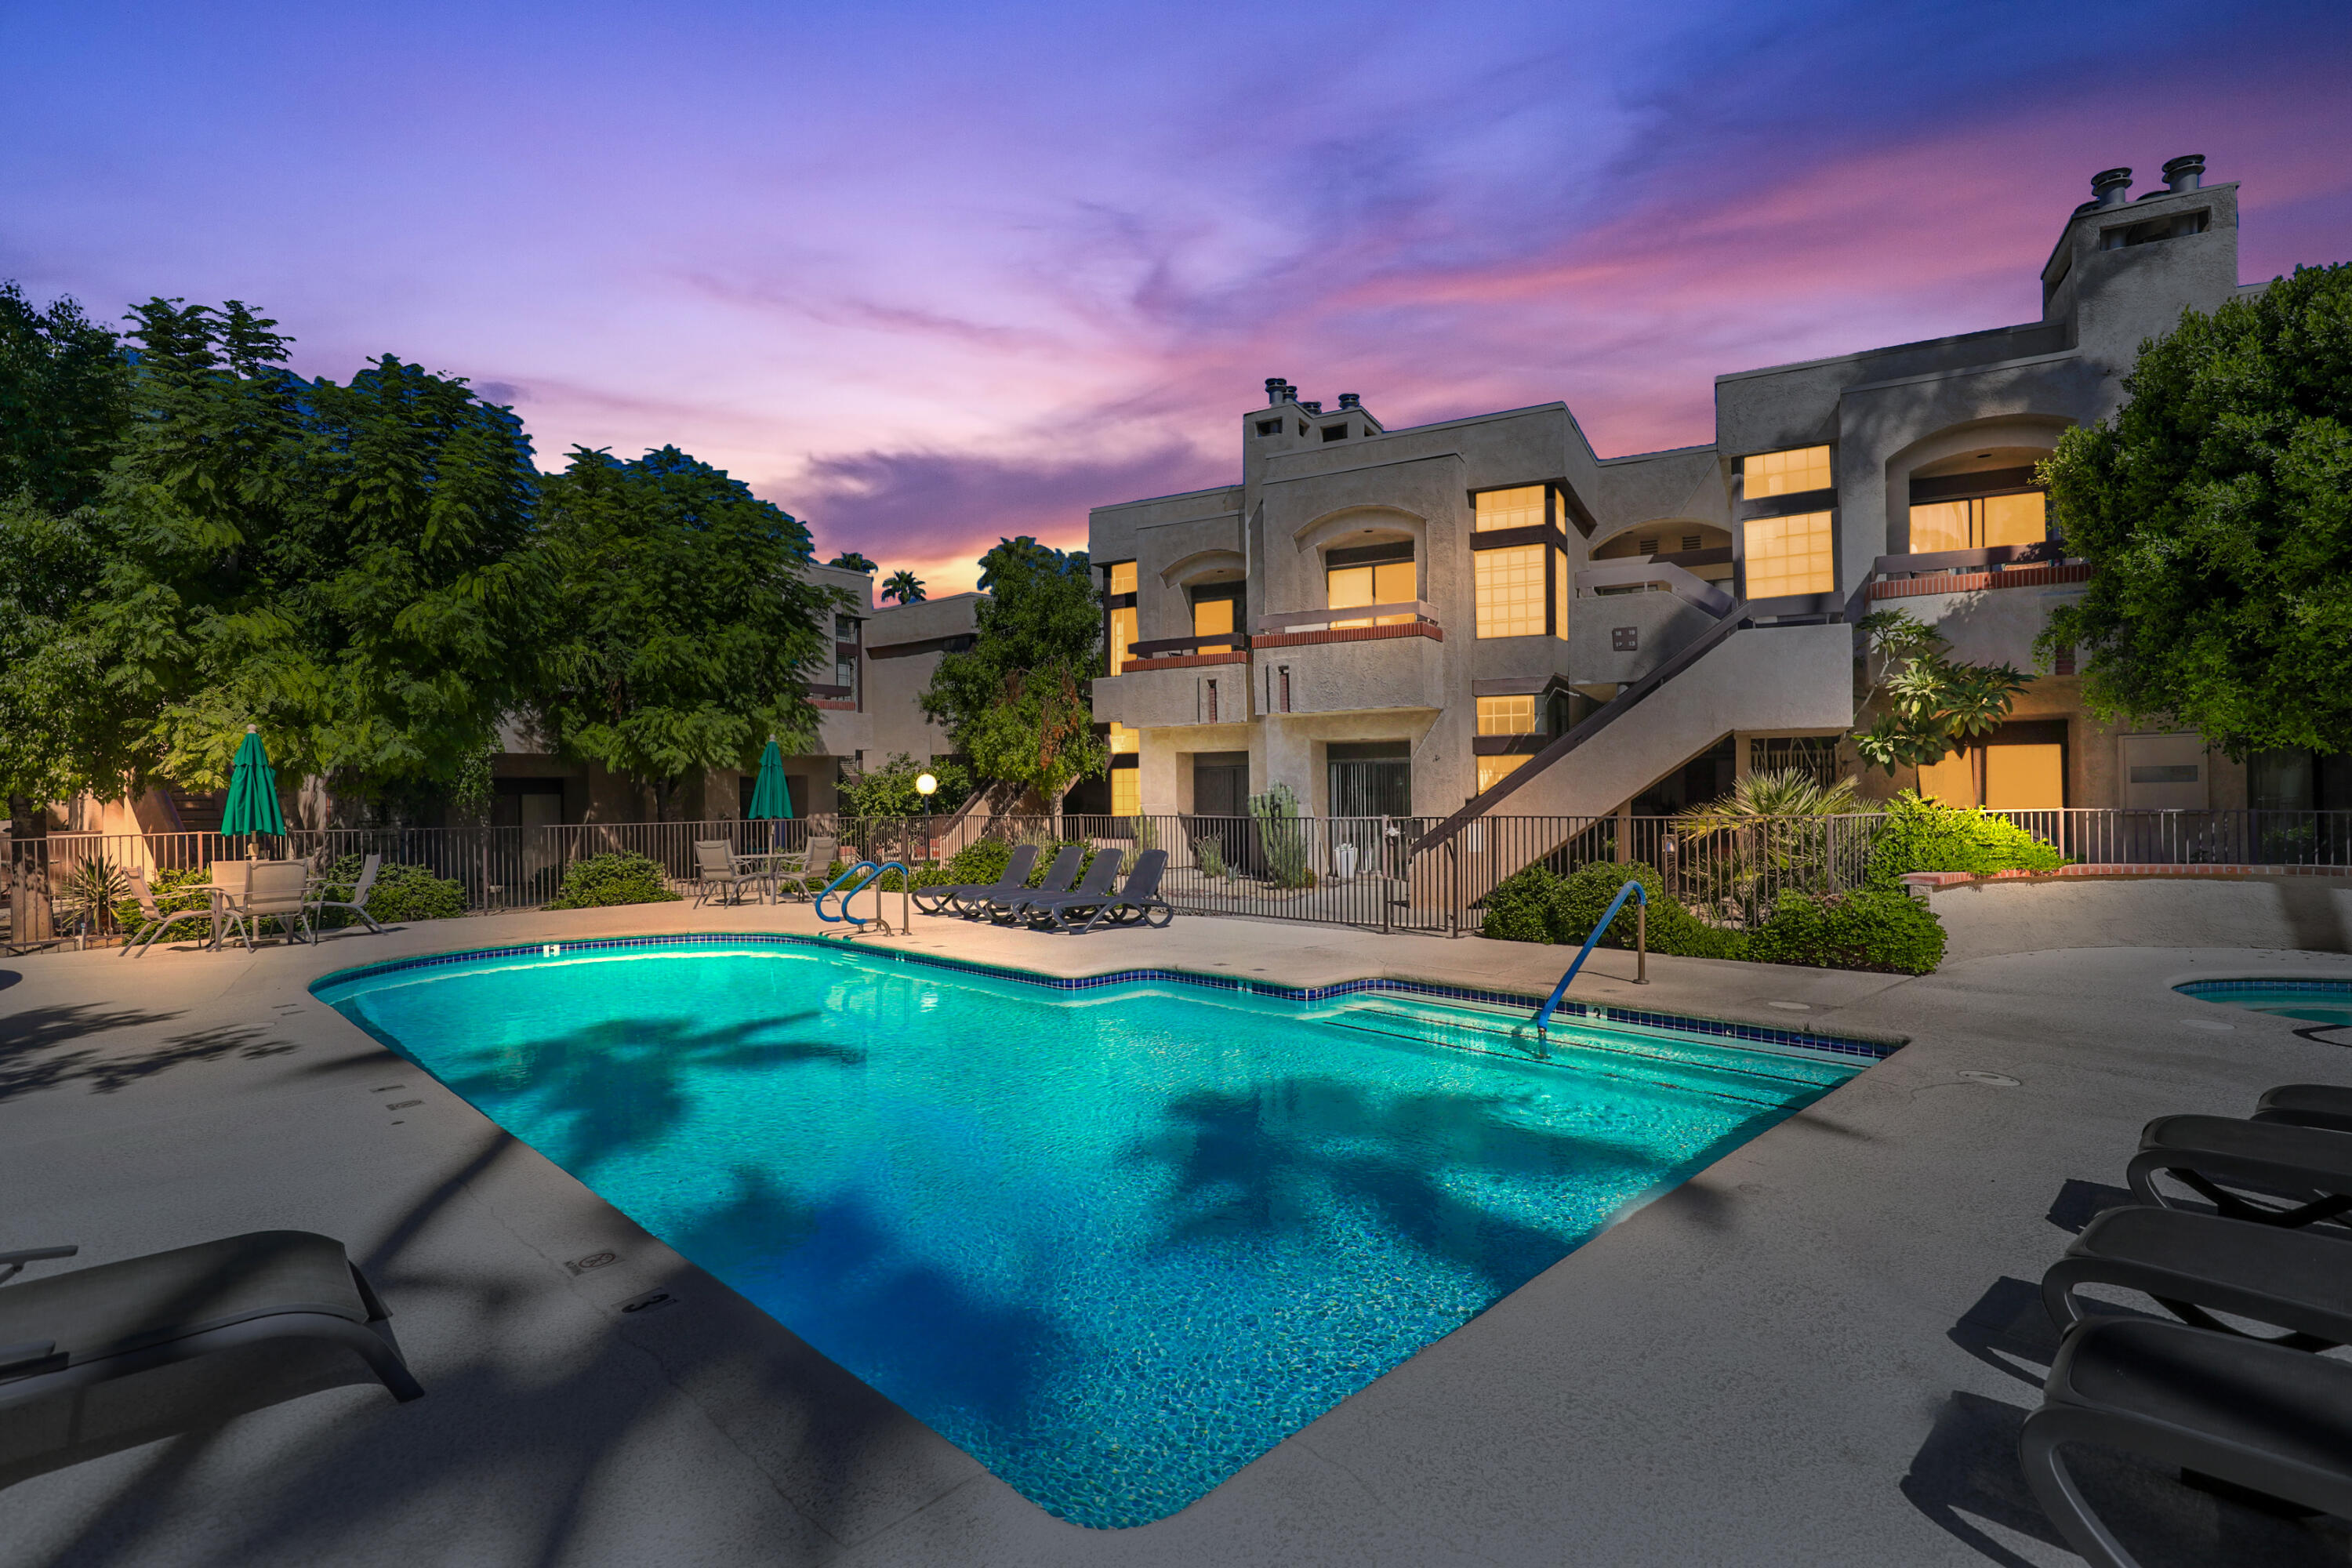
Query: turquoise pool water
x: 2319, y: 1001
x: 1115, y: 1242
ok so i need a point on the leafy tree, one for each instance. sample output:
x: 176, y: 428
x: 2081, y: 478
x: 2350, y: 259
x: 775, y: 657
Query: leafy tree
x: 889, y: 790
x: 60, y: 732
x: 1937, y: 704
x: 904, y: 587
x: 850, y: 560
x: 65, y: 401
x: 2217, y: 507
x: 1015, y: 703
x: 682, y: 621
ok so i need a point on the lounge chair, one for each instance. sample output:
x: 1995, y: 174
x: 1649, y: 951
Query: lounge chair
x: 1058, y: 878
x: 72, y: 1330
x: 357, y: 902
x: 2259, y: 1416
x: 940, y: 901
x: 2307, y: 1105
x: 813, y: 858
x: 1092, y: 892
x: 153, y: 921
x: 2198, y: 1264
x: 715, y: 871
x: 1134, y: 904
x: 274, y: 890
x: 2309, y: 1167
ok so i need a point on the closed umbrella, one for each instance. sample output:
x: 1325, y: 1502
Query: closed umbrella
x: 252, y: 791
x: 771, y: 801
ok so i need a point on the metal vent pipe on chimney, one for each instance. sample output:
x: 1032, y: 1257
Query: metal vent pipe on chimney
x: 1274, y: 389
x: 2110, y: 187
x: 2186, y: 172
x: 1352, y: 400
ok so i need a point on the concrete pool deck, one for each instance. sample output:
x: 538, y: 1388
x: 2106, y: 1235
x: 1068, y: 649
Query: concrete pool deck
x: 1816, y: 1352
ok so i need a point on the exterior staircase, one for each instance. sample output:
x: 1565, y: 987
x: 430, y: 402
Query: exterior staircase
x: 196, y: 811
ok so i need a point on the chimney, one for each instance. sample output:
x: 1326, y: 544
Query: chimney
x: 1350, y: 399
x: 1311, y: 408
x: 1290, y: 391
x: 1274, y: 387
x: 2110, y: 187
x: 2186, y: 172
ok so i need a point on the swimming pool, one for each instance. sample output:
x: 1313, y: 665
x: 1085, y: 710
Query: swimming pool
x: 1115, y: 1242
x: 2318, y: 1001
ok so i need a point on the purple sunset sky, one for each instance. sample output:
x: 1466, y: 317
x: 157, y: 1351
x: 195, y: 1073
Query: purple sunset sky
x: 926, y: 274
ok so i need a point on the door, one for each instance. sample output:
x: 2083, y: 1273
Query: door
x: 1217, y: 831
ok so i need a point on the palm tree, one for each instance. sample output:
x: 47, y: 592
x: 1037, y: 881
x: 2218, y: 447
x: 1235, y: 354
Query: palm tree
x: 1774, y: 830
x: 904, y: 587
x: 850, y: 560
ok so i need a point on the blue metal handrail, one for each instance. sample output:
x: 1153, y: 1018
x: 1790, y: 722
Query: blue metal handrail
x: 1641, y: 942
x: 845, y: 916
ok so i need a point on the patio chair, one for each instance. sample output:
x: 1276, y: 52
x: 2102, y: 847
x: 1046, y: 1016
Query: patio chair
x: 1058, y: 878
x: 1133, y: 904
x: 2249, y: 1414
x: 1092, y: 892
x: 274, y: 890
x: 2195, y: 1264
x: 72, y: 1330
x: 941, y: 900
x: 153, y: 921
x: 715, y: 869
x: 2307, y: 1105
x: 2310, y: 1168
x: 792, y: 870
x: 357, y: 903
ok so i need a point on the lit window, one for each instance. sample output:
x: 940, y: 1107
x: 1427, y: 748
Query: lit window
x: 1491, y: 770
x: 2025, y: 778
x: 1211, y: 617
x: 1510, y: 586
x: 1387, y: 582
x: 1789, y: 555
x: 1520, y: 507
x: 1124, y: 741
x: 1122, y: 577
x: 1979, y: 524
x: 1122, y: 636
x: 1507, y: 715
x: 1560, y: 595
x: 1785, y: 473
x: 1127, y: 792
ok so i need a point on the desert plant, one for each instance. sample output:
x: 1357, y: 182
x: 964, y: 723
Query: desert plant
x: 1209, y: 854
x: 85, y: 902
x: 1283, y: 836
x: 599, y: 882
x: 1775, y: 829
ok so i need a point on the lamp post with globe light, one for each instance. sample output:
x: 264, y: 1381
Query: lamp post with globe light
x: 927, y: 786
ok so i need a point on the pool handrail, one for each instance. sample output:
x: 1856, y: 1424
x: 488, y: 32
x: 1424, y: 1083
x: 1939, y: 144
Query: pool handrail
x: 905, y: 880
x: 1640, y: 948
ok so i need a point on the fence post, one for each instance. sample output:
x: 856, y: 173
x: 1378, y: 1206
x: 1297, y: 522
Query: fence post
x: 1642, y: 943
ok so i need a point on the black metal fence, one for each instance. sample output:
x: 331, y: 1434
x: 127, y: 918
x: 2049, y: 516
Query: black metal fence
x: 1357, y: 871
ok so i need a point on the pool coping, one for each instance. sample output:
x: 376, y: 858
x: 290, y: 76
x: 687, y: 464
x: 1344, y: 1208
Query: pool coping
x: 1864, y: 1047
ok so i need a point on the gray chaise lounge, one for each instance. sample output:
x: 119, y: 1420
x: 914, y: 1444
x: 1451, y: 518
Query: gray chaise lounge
x: 2198, y: 1264
x: 71, y: 1329
x: 940, y: 901
x: 1093, y: 889
x: 1058, y: 878
x: 1132, y: 904
x: 2309, y: 1167
x: 2307, y: 1105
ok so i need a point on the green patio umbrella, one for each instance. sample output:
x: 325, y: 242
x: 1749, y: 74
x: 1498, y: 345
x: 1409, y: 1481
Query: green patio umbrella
x: 252, y: 791
x: 771, y: 801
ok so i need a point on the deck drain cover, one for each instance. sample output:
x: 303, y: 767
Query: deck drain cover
x: 1998, y: 1079
x: 651, y: 1301
x: 593, y: 1260
x: 402, y: 1104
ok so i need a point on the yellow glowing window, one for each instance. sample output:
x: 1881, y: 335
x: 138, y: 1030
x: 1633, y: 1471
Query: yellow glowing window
x: 1122, y: 577
x: 1979, y: 524
x: 1560, y: 595
x: 1122, y: 635
x: 1789, y: 555
x: 1507, y: 715
x: 1510, y: 587
x: 2025, y: 778
x: 1127, y: 792
x: 1491, y: 770
x: 1952, y: 781
x: 1785, y: 473
x: 1124, y: 741
x: 1520, y: 507
x: 1211, y: 616
x: 1389, y: 583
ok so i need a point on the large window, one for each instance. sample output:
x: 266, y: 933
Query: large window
x: 1511, y: 591
x: 1978, y: 522
x: 1119, y: 595
x: 1789, y: 555
x: 1785, y: 473
x: 1492, y: 770
x: 1507, y: 715
x: 1127, y: 792
x: 1519, y: 507
x: 1215, y: 608
x: 1379, y: 582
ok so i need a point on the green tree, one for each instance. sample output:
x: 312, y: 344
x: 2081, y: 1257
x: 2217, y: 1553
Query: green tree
x: 1937, y: 702
x: 2216, y: 507
x: 904, y: 587
x: 850, y: 560
x: 1016, y: 702
x: 65, y: 401
x: 889, y: 790
x: 683, y: 620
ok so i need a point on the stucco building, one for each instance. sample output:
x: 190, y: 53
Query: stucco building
x: 1484, y: 614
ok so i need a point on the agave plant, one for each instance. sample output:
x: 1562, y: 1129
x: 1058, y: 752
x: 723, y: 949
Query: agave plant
x: 85, y: 902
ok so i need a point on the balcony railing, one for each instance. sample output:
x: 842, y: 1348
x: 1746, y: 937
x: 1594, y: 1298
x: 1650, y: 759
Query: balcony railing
x: 1324, y: 620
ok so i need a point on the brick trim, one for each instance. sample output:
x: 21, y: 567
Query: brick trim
x: 2156, y: 869
x: 1969, y: 582
x: 1352, y: 633
x: 831, y: 706
x: 1184, y: 662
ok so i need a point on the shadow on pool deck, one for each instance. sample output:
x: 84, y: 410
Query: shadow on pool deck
x: 58, y: 1047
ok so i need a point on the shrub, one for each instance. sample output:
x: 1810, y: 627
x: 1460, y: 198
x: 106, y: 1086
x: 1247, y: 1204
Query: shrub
x: 1534, y: 905
x: 401, y: 892
x: 1870, y: 928
x: 1282, y: 836
x: 598, y: 881
x: 1922, y: 835
x: 174, y: 892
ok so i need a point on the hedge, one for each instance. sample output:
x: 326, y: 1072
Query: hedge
x: 401, y: 892
x: 1923, y: 834
x: 598, y: 881
x: 1869, y: 929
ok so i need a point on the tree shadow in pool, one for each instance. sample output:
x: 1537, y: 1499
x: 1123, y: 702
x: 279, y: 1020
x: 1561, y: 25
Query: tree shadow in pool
x: 1275, y: 1162
x: 622, y: 1084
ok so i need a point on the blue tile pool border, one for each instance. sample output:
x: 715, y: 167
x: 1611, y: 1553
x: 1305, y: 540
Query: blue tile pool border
x: 2204, y: 988
x: 1720, y: 1028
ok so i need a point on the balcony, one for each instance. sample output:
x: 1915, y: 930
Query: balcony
x: 1345, y: 661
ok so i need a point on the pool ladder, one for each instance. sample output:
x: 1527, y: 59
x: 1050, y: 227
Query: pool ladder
x: 851, y: 882
x: 1641, y: 897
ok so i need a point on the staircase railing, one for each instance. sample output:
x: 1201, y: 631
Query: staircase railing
x: 1641, y: 897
